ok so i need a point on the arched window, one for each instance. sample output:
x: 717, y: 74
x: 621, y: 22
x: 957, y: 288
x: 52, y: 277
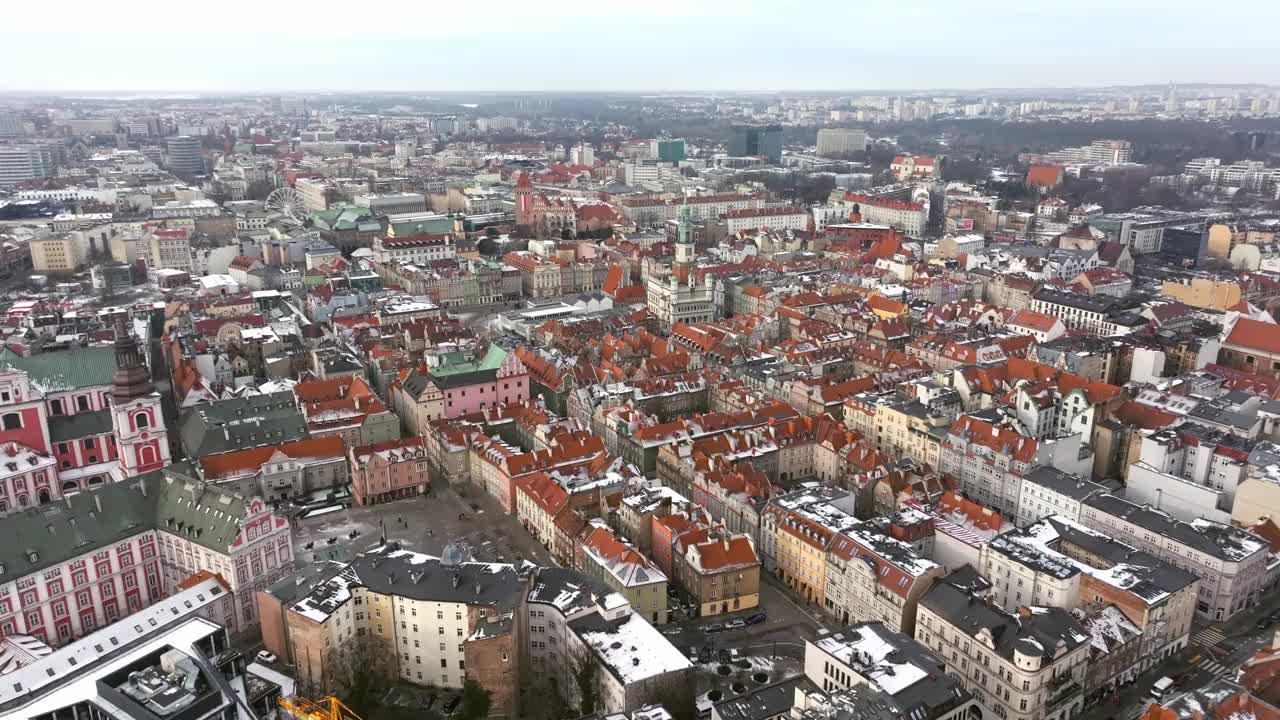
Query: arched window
x: 142, y: 420
x: 12, y: 421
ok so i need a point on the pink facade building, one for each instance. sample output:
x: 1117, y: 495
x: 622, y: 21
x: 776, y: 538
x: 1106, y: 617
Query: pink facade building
x: 469, y: 384
x: 389, y: 470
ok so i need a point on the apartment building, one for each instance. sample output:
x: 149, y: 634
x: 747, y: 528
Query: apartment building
x: 388, y: 471
x: 990, y: 460
x: 913, y: 679
x: 908, y: 217
x: 722, y: 573
x: 1230, y: 562
x: 56, y: 255
x: 841, y: 141
x: 1024, y: 666
x: 570, y: 618
x: 431, y: 622
x: 622, y: 568
x: 1049, y: 491
x: 871, y: 577
x: 279, y: 472
x: 168, y: 249
x: 774, y: 218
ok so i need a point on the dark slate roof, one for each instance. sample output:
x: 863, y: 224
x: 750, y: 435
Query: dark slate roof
x: 1063, y: 483
x: 66, y: 369
x: 1154, y: 576
x: 934, y: 695
x: 240, y: 423
x: 63, y: 428
x: 569, y: 590
x: 415, y: 384
x: 1221, y: 541
x: 290, y: 589
x: 1088, y: 303
x: 766, y: 702
x: 1037, y: 634
x: 159, y: 500
x: 390, y: 570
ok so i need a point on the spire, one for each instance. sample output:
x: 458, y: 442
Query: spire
x: 131, y: 379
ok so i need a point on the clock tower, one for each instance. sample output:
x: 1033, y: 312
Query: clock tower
x: 141, y: 437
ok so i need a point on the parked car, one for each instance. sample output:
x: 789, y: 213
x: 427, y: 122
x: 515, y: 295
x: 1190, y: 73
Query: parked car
x: 452, y: 705
x: 757, y: 618
x: 736, y: 624
x: 724, y: 657
x: 713, y: 628
x: 704, y: 655
x: 266, y: 657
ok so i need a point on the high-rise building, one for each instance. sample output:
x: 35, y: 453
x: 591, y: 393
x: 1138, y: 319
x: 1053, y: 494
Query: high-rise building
x: 183, y: 156
x: 19, y: 163
x: 841, y: 141
x: 10, y: 124
x: 756, y: 141
x: 671, y: 151
x: 582, y: 154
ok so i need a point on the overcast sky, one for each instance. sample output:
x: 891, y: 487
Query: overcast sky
x: 600, y: 45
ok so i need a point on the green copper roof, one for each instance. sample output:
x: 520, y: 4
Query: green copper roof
x: 461, y: 362
x: 432, y: 226
x: 66, y: 369
x: 44, y: 536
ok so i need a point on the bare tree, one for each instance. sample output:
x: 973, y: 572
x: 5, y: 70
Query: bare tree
x: 586, y: 675
x: 359, y: 672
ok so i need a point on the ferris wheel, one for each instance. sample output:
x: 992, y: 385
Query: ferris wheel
x: 287, y: 203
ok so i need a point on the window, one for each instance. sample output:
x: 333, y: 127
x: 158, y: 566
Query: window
x: 55, y: 407
x: 12, y: 421
x: 82, y: 403
x: 142, y: 420
x: 444, y: 663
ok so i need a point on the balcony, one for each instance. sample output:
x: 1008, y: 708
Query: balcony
x: 1062, y: 690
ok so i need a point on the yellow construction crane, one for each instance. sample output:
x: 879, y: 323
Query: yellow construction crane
x: 327, y: 708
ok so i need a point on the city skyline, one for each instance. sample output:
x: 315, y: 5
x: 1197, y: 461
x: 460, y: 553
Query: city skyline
x: 666, y: 47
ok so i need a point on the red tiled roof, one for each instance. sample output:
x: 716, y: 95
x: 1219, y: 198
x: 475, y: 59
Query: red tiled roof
x: 215, y: 466
x: 722, y: 554
x: 1255, y: 335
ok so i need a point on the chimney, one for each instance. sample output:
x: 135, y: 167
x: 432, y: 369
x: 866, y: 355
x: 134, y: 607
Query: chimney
x: 97, y: 502
x: 477, y: 588
x: 456, y: 580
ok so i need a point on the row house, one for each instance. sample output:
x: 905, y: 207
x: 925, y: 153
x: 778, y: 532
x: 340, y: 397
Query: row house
x: 734, y: 494
x: 990, y: 460
x: 137, y: 541
x: 873, y: 577
x: 804, y: 536
x: 390, y: 470
x: 347, y: 408
x: 722, y: 573
x: 1230, y: 562
x: 1059, y: 563
x: 544, y: 499
x: 1024, y: 666
x: 280, y: 472
x: 496, y: 466
x: 622, y: 568
x: 961, y: 529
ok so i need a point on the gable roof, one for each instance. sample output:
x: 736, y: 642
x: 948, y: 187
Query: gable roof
x: 1255, y: 335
